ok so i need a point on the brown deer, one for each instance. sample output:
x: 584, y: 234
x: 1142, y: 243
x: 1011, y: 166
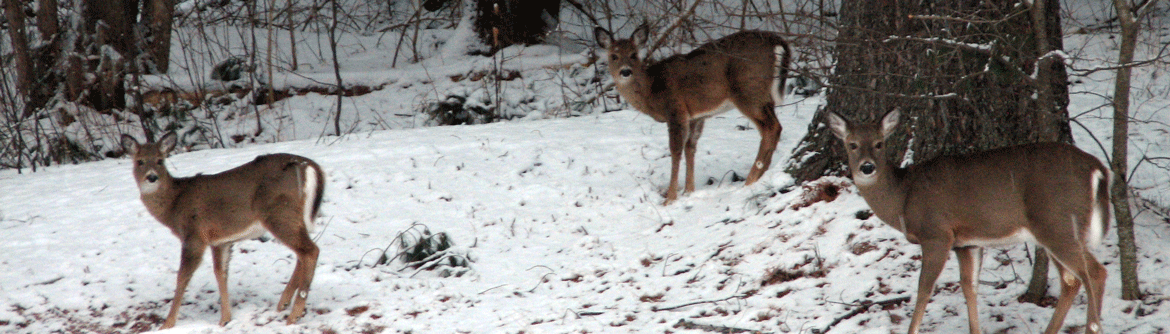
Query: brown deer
x: 277, y: 193
x: 744, y: 70
x: 1052, y: 194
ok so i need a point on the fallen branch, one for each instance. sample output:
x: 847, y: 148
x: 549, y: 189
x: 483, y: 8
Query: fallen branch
x: 861, y: 308
x: 684, y: 324
x: 656, y: 309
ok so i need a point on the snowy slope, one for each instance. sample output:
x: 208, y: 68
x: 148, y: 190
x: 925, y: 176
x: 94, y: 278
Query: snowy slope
x: 562, y: 219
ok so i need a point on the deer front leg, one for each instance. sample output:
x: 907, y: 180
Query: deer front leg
x: 696, y: 131
x: 970, y: 263
x: 934, y: 257
x: 192, y: 254
x: 221, y: 255
x: 677, y: 130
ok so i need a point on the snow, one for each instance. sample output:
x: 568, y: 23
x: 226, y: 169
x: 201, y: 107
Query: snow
x: 561, y: 217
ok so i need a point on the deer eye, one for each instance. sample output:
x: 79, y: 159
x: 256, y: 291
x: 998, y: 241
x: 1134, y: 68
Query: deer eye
x: 633, y: 56
x: 139, y: 162
x: 613, y: 57
x: 160, y: 161
x: 853, y: 146
x: 877, y: 145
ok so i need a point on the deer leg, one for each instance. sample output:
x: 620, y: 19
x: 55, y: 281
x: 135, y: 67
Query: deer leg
x: 192, y: 254
x: 764, y: 116
x: 696, y: 131
x: 288, y: 226
x: 934, y: 257
x: 678, y: 136
x: 221, y: 255
x: 1077, y: 266
x: 970, y: 263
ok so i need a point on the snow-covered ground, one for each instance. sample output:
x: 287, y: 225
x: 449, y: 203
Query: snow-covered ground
x: 563, y: 221
x: 562, y: 218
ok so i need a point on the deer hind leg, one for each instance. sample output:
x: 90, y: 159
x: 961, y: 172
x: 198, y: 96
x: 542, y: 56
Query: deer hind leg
x: 970, y: 263
x: 763, y: 114
x: 696, y: 131
x: 1076, y: 266
x: 221, y: 255
x: 287, y: 225
x: 192, y: 254
x: 678, y: 132
x: 934, y: 257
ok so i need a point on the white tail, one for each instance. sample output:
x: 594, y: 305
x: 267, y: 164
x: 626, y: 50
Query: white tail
x: 1049, y: 193
x: 277, y: 193
x: 745, y: 70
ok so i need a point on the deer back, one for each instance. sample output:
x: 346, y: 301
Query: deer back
x: 992, y: 197
x: 230, y: 205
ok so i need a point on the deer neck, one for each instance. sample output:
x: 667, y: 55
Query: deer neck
x: 886, y: 195
x: 638, y: 91
x: 160, y: 202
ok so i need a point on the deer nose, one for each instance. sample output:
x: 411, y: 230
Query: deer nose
x: 626, y: 73
x: 867, y: 168
x: 151, y: 178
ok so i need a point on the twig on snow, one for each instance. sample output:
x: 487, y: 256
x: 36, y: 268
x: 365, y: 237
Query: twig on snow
x: 861, y: 308
x: 669, y: 308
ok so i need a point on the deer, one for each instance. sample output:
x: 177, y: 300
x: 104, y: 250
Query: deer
x: 276, y: 193
x: 745, y: 71
x: 1051, y: 194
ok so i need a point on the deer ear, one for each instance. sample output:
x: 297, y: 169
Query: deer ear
x: 603, y: 37
x: 838, y: 125
x: 890, y: 121
x: 129, y: 144
x: 168, y: 142
x: 641, y: 35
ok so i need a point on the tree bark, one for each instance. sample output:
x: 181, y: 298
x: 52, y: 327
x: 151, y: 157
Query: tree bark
x: 961, y: 71
x: 1120, y: 188
x: 158, y: 16
x: 17, y: 31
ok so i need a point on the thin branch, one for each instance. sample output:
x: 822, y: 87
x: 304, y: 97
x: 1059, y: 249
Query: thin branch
x: 864, y: 306
x: 665, y: 33
x: 669, y: 308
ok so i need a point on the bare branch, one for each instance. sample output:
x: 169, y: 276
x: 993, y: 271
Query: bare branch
x: 663, y: 35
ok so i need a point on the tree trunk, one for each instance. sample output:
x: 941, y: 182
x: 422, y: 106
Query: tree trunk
x: 971, y: 76
x: 1120, y: 188
x: 158, y: 16
x: 14, y: 12
x: 501, y: 23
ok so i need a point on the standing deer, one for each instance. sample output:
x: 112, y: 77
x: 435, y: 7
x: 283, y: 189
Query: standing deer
x: 277, y: 193
x: 745, y: 71
x: 1049, y: 193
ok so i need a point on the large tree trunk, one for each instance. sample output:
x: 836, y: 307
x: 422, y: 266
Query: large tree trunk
x: 969, y: 74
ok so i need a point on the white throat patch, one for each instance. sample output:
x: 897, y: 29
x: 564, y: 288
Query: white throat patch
x: 147, y: 187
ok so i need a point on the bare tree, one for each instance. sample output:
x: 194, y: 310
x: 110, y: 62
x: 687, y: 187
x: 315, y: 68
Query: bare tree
x: 1129, y: 16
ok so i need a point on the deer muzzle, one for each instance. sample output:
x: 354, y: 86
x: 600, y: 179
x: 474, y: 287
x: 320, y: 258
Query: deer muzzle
x: 626, y: 73
x: 867, y: 168
x: 152, y: 177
